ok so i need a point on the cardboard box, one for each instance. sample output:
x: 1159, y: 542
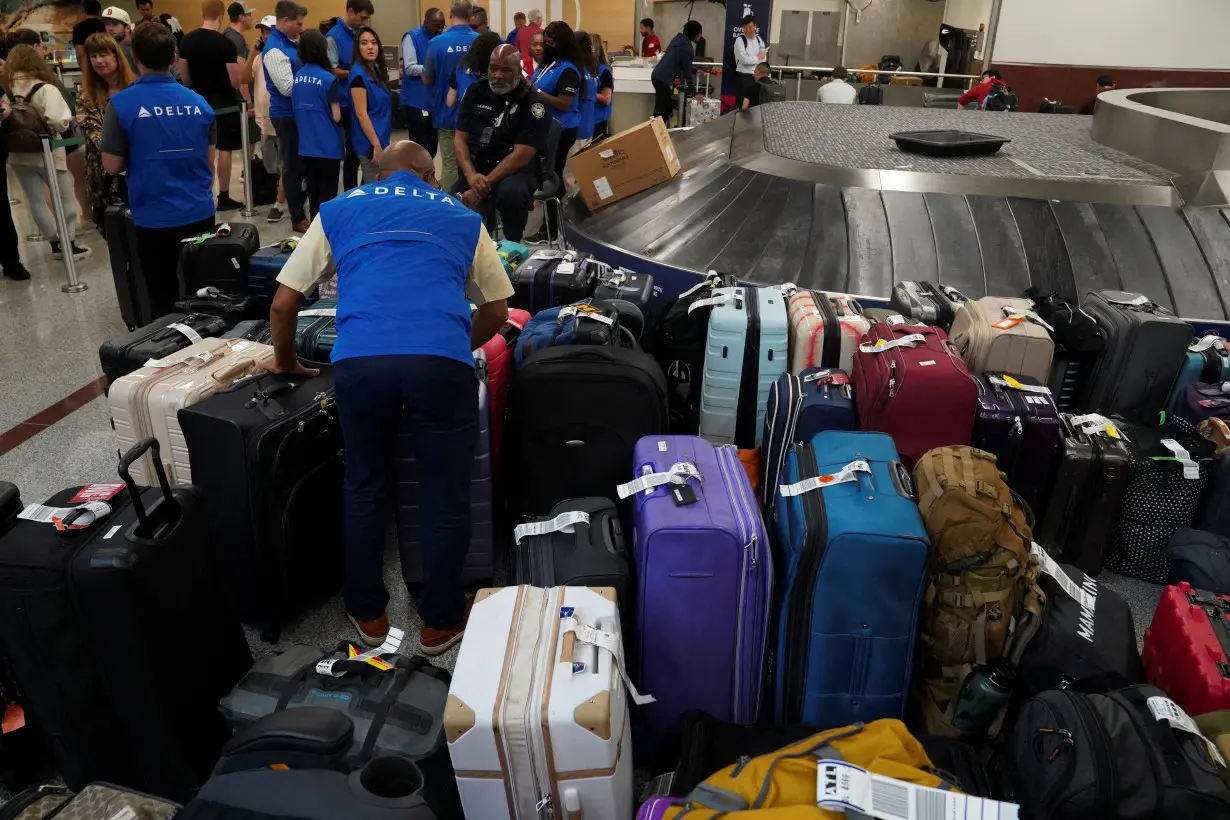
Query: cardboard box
x: 625, y: 164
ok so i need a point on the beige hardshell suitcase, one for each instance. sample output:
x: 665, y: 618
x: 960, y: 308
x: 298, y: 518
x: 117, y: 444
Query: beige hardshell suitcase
x: 146, y: 402
x: 995, y: 335
x: 825, y: 329
x: 537, y: 719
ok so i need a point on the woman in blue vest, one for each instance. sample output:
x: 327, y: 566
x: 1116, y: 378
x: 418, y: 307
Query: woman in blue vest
x: 473, y: 68
x: 371, y: 129
x: 589, y: 89
x: 606, y: 90
x: 558, y: 81
x: 317, y: 105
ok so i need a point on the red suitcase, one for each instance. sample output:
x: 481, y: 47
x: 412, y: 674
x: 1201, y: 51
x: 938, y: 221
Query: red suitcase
x: 500, y: 351
x: 910, y: 383
x: 1187, y: 649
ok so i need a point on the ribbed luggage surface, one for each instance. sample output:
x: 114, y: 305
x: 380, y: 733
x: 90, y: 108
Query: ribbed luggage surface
x: 263, y: 270
x: 316, y: 331
x: 1021, y: 428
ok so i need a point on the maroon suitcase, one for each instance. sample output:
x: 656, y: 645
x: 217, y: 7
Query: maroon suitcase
x: 919, y: 393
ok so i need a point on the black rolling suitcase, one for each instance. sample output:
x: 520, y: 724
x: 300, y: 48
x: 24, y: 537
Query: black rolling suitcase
x: 927, y: 303
x: 550, y: 278
x: 254, y: 330
x: 267, y: 453
x: 130, y: 289
x: 592, y: 554
x: 221, y: 262
x: 1090, y: 482
x: 234, y: 309
x: 1079, y: 341
x: 636, y: 288
x: 1145, y: 349
x: 118, y: 638
x: 157, y: 340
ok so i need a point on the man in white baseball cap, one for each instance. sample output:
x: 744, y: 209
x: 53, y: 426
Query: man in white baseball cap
x: 119, y: 26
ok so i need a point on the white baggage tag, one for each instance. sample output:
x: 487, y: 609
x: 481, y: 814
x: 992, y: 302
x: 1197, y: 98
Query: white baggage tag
x: 193, y: 336
x: 1092, y: 424
x: 715, y: 301
x: 1139, y: 300
x: 319, y: 312
x: 882, y: 345
x: 789, y: 289
x: 86, y: 514
x: 711, y: 278
x: 846, y: 474
x: 1028, y: 315
x: 844, y: 787
x: 1007, y: 381
x: 896, y: 319
x: 392, y: 643
x: 1205, y: 342
x: 1052, y: 568
x: 193, y: 359
x: 1191, y: 470
x: 125, y: 813
x: 564, y: 522
x: 1171, y: 712
x: 597, y: 316
x: 679, y: 473
x: 603, y: 640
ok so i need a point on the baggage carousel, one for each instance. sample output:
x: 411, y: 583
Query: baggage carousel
x: 819, y: 196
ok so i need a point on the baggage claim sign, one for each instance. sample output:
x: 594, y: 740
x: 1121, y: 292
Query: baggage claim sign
x: 735, y: 12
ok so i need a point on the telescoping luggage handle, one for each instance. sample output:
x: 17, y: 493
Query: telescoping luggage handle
x: 126, y: 462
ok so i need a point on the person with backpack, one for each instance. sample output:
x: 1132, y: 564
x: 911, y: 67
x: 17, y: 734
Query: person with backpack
x: 991, y: 94
x: 38, y: 107
x: 749, y: 52
x: 676, y: 64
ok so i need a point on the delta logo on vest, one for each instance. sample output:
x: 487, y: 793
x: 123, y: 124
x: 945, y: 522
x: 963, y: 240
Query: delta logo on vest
x: 170, y: 111
x: 399, y: 190
x: 305, y: 78
x: 457, y: 49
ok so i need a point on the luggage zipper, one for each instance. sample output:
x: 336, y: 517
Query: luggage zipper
x: 1104, y: 766
x: 794, y: 403
x: 747, y: 402
x: 802, y: 594
x: 1016, y: 438
x: 747, y: 578
x: 1058, y: 728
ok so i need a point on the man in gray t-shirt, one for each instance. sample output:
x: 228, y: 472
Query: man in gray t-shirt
x: 241, y: 21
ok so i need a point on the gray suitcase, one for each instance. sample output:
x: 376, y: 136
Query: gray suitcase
x: 927, y: 302
x: 480, y: 557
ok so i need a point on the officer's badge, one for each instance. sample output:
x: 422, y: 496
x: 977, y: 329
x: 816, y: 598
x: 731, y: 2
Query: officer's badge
x: 538, y: 110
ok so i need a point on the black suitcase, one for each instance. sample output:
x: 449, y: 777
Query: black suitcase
x: 1145, y: 349
x: 636, y: 288
x: 130, y: 288
x: 220, y: 262
x: 550, y: 278
x: 234, y: 309
x: 1160, y: 498
x: 10, y: 505
x: 1090, y: 482
x: 594, y: 554
x: 1054, y: 107
x: 927, y: 303
x: 958, y: 764
x: 1200, y: 558
x: 1214, y: 514
x: 157, y: 340
x: 572, y: 418
x: 267, y: 452
x: 254, y: 330
x: 119, y: 640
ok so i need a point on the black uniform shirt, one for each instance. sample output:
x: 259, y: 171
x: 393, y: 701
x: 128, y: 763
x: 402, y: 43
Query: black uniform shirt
x: 496, y: 124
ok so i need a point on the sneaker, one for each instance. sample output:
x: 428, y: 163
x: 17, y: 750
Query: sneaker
x: 276, y: 214
x: 17, y: 273
x: 225, y: 203
x: 538, y: 238
x: 80, y: 253
x: 56, y: 253
x: 437, y: 641
x: 371, y: 633
x: 301, y: 226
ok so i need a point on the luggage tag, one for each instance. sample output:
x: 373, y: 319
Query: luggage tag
x: 564, y: 522
x: 590, y: 312
x: 679, y: 473
x: 827, y: 377
x: 97, y: 492
x: 718, y: 301
x: 319, y: 312
x: 1139, y: 300
x: 603, y: 640
x: 66, y: 519
x: 190, y: 359
x: 1205, y: 342
x: 846, y: 788
x: 846, y: 474
x: 896, y: 319
x: 1007, y: 381
x: 1092, y: 424
x: 379, y: 663
x: 1014, y: 316
x: 193, y: 336
x: 1191, y: 470
x: 1051, y: 567
x: 392, y: 643
x: 710, y: 280
x: 882, y: 345
x: 1169, y: 711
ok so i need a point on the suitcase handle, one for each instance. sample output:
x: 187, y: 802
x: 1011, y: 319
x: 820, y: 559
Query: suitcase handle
x: 902, y: 480
x: 126, y: 462
x: 233, y: 372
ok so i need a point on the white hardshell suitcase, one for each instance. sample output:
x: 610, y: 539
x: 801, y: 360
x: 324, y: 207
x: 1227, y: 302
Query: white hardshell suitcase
x: 825, y: 329
x: 537, y: 720
x: 146, y: 402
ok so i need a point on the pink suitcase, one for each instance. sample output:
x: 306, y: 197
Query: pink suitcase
x: 825, y: 329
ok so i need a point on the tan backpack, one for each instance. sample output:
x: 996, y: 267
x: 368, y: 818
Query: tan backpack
x: 980, y: 537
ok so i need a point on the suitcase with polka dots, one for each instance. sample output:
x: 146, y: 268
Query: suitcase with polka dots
x: 1187, y: 649
x: 1171, y: 467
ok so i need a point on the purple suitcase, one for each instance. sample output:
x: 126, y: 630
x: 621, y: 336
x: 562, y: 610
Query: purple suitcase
x: 479, y: 559
x: 705, y: 584
x: 1201, y: 401
x: 655, y: 808
x: 1022, y: 429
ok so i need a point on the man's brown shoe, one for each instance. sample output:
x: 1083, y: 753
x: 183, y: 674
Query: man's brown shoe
x: 438, y: 641
x: 301, y: 227
x: 374, y: 632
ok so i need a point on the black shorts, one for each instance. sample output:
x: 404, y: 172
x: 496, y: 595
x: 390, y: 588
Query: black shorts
x: 230, y: 137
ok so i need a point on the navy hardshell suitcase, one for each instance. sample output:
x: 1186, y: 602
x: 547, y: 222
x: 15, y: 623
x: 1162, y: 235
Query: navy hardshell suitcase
x: 263, y: 269
x: 1021, y: 427
x: 550, y: 278
x: 851, y: 559
x: 818, y: 399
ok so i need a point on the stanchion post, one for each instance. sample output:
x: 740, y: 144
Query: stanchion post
x: 71, y: 285
x: 248, y: 210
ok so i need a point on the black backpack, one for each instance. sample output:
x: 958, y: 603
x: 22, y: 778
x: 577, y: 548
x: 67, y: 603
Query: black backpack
x: 871, y: 94
x: 1000, y: 98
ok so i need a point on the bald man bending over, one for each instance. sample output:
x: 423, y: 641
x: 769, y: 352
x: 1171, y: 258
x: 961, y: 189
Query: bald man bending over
x: 409, y: 260
x: 502, y: 131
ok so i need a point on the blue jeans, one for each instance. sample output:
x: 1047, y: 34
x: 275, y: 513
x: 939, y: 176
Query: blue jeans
x: 436, y: 398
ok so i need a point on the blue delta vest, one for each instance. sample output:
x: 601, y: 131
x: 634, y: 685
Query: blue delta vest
x: 403, y: 252
x: 547, y: 79
x: 319, y: 135
x: 602, y: 113
x: 465, y: 79
x: 167, y: 127
x: 379, y: 111
x: 344, y: 37
x: 447, y: 52
x: 279, y: 105
x: 589, y: 87
x: 414, y: 92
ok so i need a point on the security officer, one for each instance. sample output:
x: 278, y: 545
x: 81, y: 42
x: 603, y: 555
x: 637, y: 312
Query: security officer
x: 163, y: 135
x: 502, y: 131
x: 409, y: 260
x: 443, y: 56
